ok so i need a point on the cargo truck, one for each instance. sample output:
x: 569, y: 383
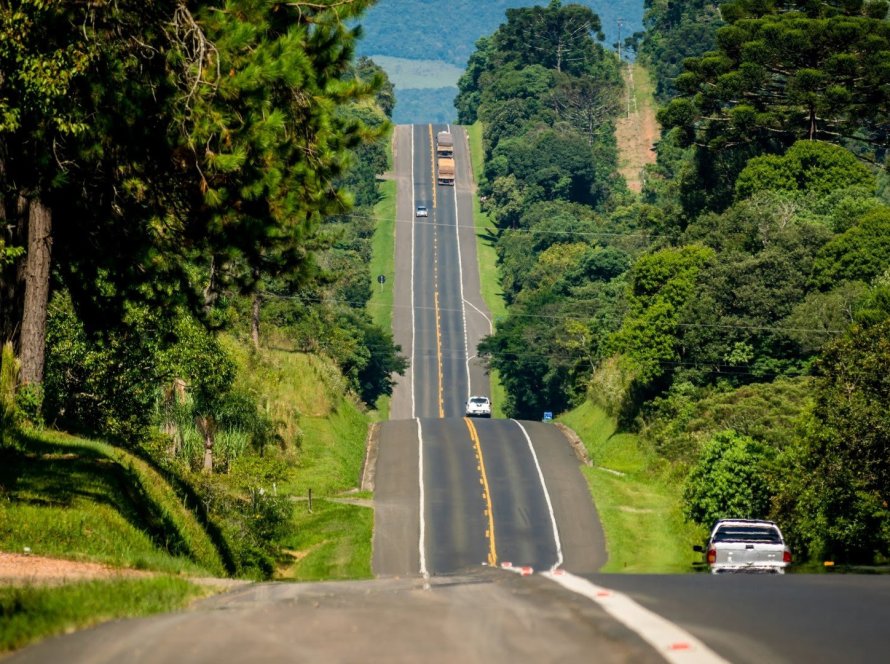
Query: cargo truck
x: 444, y: 144
x: 446, y: 171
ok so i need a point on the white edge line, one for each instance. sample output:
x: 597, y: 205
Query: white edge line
x: 422, y: 541
x: 670, y: 641
x: 559, y: 558
x: 482, y: 313
x: 413, y: 303
x: 460, y: 276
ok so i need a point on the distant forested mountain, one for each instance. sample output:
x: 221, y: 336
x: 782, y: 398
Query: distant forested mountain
x: 436, y: 30
x: 447, y: 31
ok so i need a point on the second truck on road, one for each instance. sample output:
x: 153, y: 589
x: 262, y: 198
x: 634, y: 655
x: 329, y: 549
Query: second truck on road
x: 445, y: 155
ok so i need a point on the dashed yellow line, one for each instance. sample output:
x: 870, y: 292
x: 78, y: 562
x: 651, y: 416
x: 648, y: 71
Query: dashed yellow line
x: 486, y: 494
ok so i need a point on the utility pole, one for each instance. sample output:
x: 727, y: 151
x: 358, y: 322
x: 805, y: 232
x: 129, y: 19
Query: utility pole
x: 619, y: 21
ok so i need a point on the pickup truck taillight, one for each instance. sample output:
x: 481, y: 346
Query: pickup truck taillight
x: 786, y: 557
x: 712, y: 556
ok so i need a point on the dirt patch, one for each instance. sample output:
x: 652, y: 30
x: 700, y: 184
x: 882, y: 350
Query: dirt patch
x: 637, y: 132
x: 18, y: 569
x: 21, y: 569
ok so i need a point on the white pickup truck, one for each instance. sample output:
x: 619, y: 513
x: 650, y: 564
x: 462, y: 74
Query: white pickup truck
x: 746, y: 545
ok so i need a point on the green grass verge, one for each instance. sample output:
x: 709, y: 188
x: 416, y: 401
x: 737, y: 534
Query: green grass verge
x: 383, y: 261
x: 86, y: 500
x: 638, y: 503
x: 380, y: 306
x: 306, y: 394
x: 487, y: 258
x: 333, y: 542
x: 30, y: 613
x: 332, y: 452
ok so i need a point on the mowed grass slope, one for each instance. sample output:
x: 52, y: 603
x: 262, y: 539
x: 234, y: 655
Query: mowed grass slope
x: 638, y: 502
x: 66, y: 497
x: 82, y: 500
x: 383, y: 262
x: 308, y: 397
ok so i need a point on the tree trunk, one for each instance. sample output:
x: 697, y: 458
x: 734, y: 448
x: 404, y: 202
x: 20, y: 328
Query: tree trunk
x: 207, y: 427
x: 255, y: 322
x: 210, y: 292
x: 208, y: 452
x: 32, y: 341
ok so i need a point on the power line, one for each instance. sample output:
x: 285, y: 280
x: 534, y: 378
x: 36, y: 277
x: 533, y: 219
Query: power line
x: 311, y: 299
x: 530, y: 231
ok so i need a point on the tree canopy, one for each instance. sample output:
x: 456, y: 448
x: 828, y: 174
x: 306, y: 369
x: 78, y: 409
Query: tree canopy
x: 776, y: 77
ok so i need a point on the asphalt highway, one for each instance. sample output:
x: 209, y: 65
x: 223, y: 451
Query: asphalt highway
x: 486, y: 544
x: 440, y: 316
x: 479, y: 491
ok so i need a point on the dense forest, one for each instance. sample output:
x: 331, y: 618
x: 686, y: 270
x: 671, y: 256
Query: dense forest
x: 170, y: 174
x: 435, y: 30
x: 736, y: 314
x: 447, y: 31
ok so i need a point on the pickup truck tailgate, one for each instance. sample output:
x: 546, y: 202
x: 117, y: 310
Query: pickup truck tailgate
x: 748, y: 553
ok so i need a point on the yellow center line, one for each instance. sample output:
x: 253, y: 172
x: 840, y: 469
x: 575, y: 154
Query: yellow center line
x: 439, y: 354
x: 489, y: 512
x: 436, y: 276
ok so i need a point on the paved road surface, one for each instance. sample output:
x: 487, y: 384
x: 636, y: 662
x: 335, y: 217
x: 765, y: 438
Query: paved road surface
x: 791, y: 618
x: 490, y: 618
x: 457, y: 498
x: 439, y: 314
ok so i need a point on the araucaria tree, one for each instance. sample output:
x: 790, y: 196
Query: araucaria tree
x: 784, y: 71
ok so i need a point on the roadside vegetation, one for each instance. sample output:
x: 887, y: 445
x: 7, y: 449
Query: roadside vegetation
x: 201, y: 329
x: 332, y: 541
x: 85, y: 500
x: 31, y: 613
x: 486, y: 255
x: 637, y: 497
x: 702, y: 333
x: 380, y: 304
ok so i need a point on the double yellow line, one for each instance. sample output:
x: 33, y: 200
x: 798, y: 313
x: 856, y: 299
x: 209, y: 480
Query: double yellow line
x: 441, y: 401
x: 486, y: 494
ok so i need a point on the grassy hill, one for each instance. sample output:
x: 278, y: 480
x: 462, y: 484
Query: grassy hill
x: 82, y: 500
x: 638, y: 501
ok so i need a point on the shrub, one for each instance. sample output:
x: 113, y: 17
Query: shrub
x: 729, y: 480
x: 252, y: 522
x: 29, y: 404
x: 9, y: 371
